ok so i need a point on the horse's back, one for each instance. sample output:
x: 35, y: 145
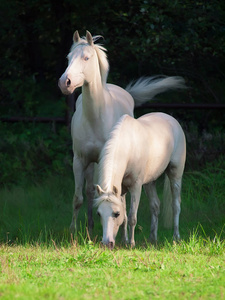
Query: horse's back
x: 166, y: 141
x: 122, y: 100
x: 169, y: 133
x: 161, y: 122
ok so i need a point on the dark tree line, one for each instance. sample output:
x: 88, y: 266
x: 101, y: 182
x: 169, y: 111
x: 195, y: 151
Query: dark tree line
x: 184, y: 38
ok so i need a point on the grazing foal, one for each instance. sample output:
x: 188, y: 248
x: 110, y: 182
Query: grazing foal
x: 136, y: 154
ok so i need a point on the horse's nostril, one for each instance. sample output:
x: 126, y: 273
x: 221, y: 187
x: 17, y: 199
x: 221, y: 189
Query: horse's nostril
x: 68, y: 82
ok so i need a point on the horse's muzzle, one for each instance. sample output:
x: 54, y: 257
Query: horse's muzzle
x: 64, y: 85
x: 109, y: 245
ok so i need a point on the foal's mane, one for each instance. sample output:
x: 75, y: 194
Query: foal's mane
x: 100, y: 51
x: 106, y: 197
x: 106, y: 160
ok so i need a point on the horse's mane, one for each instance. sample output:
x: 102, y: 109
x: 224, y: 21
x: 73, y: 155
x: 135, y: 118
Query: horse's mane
x: 109, y: 197
x: 100, y: 51
x: 106, y: 160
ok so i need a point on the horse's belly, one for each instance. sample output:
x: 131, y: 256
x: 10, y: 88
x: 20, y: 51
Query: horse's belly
x: 154, y: 170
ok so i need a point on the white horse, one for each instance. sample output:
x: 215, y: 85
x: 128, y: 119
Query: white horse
x: 136, y: 154
x: 98, y: 109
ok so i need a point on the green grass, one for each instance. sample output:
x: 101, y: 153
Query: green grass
x: 189, y: 270
x: 39, y: 259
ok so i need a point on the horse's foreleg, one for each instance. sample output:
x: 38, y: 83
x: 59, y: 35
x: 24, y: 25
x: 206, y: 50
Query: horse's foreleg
x: 176, y: 190
x: 124, y: 225
x: 90, y: 191
x: 78, y: 196
x: 154, y: 202
x: 132, y: 218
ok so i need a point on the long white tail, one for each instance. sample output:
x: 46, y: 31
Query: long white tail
x: 145, y: 88
x: 167, y: 211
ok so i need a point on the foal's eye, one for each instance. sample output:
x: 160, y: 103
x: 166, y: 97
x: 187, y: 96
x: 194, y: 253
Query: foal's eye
x: 86, y: 58
x: 116, y: 214
x: 98, y: 213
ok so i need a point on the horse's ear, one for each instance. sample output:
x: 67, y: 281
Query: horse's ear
x: 99, y: 190
x: 76, y: 37
x: 89, y: 38
x: 115, y: 190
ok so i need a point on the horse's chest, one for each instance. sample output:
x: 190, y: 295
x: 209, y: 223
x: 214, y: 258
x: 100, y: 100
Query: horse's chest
x: 88, y: 140
x: 89, y: 151
x: 93, y: 150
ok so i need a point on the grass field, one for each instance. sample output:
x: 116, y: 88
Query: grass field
x: 193, y: 269
x: 39, y: 259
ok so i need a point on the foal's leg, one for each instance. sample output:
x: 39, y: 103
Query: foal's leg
x: 124, y: 225
x: 175, y: 184
x: 154, y: 202
x: 90, y: 191
x: 132, y: 218
x: 78, y: 172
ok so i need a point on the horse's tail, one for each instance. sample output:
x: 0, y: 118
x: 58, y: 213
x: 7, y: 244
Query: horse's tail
x: 167, y: 212
x: 145, y: 88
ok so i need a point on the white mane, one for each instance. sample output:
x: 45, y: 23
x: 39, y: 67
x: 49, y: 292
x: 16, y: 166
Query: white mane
x: 109, y: 197
x: 100, y: 51
x: 106, y: 160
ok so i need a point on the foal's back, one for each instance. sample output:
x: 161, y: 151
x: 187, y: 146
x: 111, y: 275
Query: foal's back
x: 155, y: 141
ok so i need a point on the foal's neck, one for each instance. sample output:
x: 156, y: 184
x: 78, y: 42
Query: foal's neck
x: 113, y: 165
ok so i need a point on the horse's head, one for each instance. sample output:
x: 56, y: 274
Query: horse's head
x: 111, y: 210
x: 83, y: 63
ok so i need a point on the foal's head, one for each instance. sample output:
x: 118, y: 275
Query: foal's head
x: 86, y: 62
x: 111, y: 210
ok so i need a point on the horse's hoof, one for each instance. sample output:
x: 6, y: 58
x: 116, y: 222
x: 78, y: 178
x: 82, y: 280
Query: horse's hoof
x: 176, y: 237
x: 72, y: 228
x: 132, y: 245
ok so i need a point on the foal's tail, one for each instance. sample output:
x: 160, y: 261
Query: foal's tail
x: 167, y: 212
x: 145, y: 88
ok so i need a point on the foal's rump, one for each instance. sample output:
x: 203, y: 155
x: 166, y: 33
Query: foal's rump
x: 165, y: 144
x: 170, y: 150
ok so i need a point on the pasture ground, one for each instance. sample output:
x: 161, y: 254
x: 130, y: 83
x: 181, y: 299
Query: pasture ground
x: 193, y: 269
x: 39, y: 259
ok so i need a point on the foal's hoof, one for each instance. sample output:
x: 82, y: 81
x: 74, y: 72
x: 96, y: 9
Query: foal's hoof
x: 132, y: 244
x: 153, y: 242
x: 125, y: 242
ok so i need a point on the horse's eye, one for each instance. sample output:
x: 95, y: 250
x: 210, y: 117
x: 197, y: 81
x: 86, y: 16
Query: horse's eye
x: 116, y: 214
x: 98, y: 213
x: 86, y: 58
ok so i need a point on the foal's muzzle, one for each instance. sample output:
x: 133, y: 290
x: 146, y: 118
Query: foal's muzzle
x: 110, y: 245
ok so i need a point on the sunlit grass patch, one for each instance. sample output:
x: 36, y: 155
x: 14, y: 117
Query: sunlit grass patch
x: 89, y: 271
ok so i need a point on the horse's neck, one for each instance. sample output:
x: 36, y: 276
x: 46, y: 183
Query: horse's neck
x: 111, y: 179
x: 93, y: 100
x: 113, y: 167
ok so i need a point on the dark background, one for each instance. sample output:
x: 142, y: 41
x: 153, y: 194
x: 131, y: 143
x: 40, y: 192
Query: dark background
x: 143, y: 38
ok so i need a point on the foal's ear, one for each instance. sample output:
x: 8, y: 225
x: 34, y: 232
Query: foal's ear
x: 89, y: 38
x: 99, y: 190
x: 76, y: 37
x: 115, y: 190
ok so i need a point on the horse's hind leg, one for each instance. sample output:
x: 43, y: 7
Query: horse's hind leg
x: 176, y: 190
x: 78, y: 196
x: 154, y: 202
x: 175, y: 184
